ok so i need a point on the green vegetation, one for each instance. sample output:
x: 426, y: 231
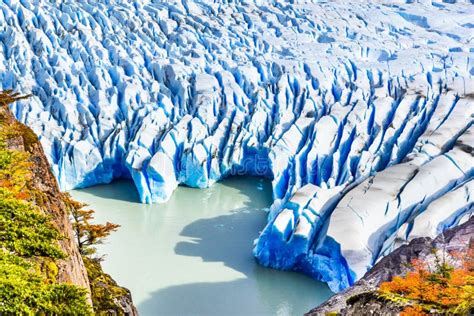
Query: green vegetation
x: 14, y: 165
x: 105, y: 291
x: 24, y: 230
x: 24, y: 290
x: 28, y: 241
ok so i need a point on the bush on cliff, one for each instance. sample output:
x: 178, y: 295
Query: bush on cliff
x: 24, y: 290
x: 438, y: 287
x: 28, y: 241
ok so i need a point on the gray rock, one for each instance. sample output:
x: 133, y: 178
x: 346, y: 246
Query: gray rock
x: 360, y: 299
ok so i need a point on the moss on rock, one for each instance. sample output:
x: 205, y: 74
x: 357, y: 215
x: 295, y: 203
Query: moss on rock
x: 107, y: 296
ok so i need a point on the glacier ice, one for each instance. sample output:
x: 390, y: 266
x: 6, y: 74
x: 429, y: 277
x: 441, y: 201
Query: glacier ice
x: 361, y: 115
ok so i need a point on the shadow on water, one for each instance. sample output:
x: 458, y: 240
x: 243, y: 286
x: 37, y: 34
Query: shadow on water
x: 229, y: 239
x: 170, y: 243
x: 221, y: 239
x: 124, y: 190
x: 232, y: 298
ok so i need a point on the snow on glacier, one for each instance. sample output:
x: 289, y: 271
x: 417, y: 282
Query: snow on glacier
x: 361, y: 114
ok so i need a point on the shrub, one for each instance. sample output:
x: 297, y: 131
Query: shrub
x: 87, y: 233
x: 443, y: 289
x: 14, y: 170
x: 24, y: 230
x: 23, y: 290
x: 105, y: 291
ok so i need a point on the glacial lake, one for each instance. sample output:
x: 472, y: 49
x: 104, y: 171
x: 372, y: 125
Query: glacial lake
x: 193, y: 254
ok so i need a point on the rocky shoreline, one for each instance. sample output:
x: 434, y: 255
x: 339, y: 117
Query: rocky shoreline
x: 362, y: 298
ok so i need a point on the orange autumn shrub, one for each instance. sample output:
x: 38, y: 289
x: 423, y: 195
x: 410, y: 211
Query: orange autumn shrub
x: 413, y: 311
x: 444, y: 289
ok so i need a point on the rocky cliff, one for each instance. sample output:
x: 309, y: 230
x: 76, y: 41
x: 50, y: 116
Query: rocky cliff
x: 71, y: 269
x: 362, y: 298
x: 41, y: 191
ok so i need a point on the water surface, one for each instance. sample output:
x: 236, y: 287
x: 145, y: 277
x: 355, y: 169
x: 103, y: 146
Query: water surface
x: 193, y: 254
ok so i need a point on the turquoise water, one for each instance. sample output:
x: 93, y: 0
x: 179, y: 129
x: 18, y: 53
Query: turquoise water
x: 193, y: 254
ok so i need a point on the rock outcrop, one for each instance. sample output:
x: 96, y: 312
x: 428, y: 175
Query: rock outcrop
x: 71, y: 269
x: 360, y: 298
x: 51, y: 201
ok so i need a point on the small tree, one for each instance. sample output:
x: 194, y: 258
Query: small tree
x: 88, y: 234
x: 444, y: 288
x: 8, y: 96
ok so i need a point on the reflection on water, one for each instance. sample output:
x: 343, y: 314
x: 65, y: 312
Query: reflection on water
x: 193, y: 254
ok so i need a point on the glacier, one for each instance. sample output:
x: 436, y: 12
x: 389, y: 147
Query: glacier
x: 360, y: 114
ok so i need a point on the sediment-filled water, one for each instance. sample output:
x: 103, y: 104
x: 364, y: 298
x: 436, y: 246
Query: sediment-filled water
x: 193, y: 254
